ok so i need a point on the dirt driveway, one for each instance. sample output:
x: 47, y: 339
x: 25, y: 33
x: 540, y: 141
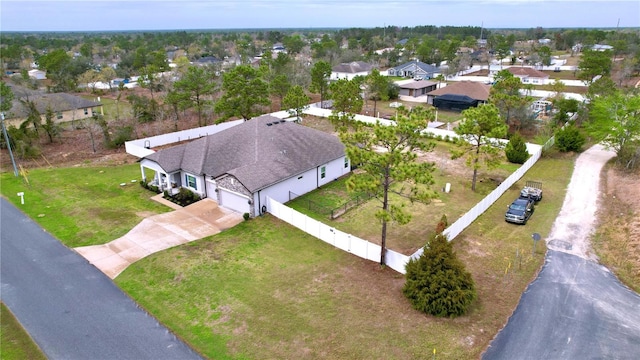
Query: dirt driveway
x: 160, y: 232
x: 576, y: 308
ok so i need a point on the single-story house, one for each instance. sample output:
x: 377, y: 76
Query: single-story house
x: 350, y: 70
x: 476, y: 91
x: 37, y: 74
x: 601, y: 47
x: 240, y: 166
x: 416, y: 88
x: 66, y: 107
x: 528, y: 75
x: 415, y: 69
x: 207, y: 60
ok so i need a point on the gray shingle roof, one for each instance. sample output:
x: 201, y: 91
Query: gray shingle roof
x: 353, y: 67
x: 256, y: 154
x: 417, y: 66
x: 58, y: 102
x: 420, y: 84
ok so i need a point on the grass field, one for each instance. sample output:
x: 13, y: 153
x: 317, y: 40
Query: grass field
x: 83, y: 205
x: 266, y: 290
x: 15, y: 342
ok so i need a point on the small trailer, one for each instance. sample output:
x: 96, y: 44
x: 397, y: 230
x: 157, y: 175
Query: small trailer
x: 532, y: 190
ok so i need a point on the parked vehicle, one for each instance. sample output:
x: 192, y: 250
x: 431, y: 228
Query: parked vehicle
x: 520, y: 210
x: 533, y: 190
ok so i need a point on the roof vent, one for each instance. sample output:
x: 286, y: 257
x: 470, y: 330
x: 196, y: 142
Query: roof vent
x: 282, y: 120
x: 276, y: 122
x: 269, y: 124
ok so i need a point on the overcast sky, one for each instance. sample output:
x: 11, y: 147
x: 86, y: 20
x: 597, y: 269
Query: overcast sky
x: 96, y: 15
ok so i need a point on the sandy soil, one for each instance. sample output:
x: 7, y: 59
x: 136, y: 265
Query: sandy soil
x: 576, y: 222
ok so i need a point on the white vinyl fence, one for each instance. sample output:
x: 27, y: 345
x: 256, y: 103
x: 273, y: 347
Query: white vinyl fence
x: 370, y: 251
x: 341, y: 240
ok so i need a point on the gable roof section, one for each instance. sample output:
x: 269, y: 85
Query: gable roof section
x: 474, y: 90
x: 58, y: 102
x: 255, y: 153
x: 417, y: 65
x: 527, y: 72
x: 353, y: 67
x: 420, y: 84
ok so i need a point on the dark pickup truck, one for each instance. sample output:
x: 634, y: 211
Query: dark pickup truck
x: 520, y: 210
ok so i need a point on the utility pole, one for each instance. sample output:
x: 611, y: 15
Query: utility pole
x: 6, y: 139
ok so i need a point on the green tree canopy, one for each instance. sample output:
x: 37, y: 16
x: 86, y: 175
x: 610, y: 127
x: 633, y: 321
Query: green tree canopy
x: 594, y: 63
x: 296, y: 101
x: 392, y: 167
x: 244, y: 93
x: 347, y: 102
x: 505, y: 95
x: 516, y: 149
x: 437, y: 283
x: 479, y: 131
x: 320, y: 73
x: 194, y: 90
x: 614, y: 120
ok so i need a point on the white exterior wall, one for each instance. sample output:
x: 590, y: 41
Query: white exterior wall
x: 310, y: 181
x: 199, y: 183
x: 348, y: 76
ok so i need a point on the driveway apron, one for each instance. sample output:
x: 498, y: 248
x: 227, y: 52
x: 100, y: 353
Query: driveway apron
x: 160, y: 232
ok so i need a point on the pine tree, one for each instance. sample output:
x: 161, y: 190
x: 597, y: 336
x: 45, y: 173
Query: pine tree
x: 516, y: 149
x: 437, y: 283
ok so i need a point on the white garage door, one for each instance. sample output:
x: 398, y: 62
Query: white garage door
x: 234, y: 201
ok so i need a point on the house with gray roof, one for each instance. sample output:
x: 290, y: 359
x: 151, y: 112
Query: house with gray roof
x: 350, y: 70
x: 415, y: 69
x: 66, y: 107
x: 242, y: 165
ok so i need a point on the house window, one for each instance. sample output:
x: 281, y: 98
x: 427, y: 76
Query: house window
x: 323, y: 172
x: 191, y: 181
x: 346, y: 162
x: 59, y: 115
x: 86, y: 111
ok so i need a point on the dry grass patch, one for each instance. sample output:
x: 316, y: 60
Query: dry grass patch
x: 617, y: 239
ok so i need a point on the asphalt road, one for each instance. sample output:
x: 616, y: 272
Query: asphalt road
x: 575, y: 309
x: 70, y: 308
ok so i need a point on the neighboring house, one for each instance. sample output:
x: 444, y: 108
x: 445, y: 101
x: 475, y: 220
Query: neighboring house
x: 601, y: 47
x: 528, y: 75
x: 414, y: 89
x: 37, y: 74
x: 350, y: 70
x: 240, y: 166
x: 415, y: 69
x: 278, y: 48
x: 66, y: 107
x: 467, y: 93
x: 207, y: 60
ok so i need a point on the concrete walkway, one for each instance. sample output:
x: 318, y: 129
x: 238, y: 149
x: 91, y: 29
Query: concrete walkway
x: 160, y: 232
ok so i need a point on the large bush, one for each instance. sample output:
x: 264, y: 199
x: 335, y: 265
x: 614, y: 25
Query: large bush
x: 569, y: 138
x: 516, y: 150
x: 437, y: 283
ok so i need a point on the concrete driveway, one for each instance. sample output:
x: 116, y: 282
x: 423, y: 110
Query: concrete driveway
x: 160, y: 232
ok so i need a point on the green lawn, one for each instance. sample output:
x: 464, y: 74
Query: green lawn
x: 408, y: 238
x: 15, y: 342
x: 264, y: 289
x: 83, y: 205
